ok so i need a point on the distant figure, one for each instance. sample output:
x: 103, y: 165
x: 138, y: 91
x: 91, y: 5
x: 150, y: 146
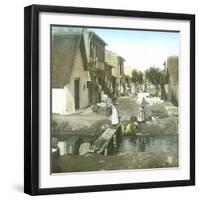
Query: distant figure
x: 98, y: 90
x: 143, y: 104
x: 114, y: 117
x: 103, y: 96
x: 141, y: 115
x: 111, y: 92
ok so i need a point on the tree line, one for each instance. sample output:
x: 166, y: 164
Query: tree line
x: 152, y: 76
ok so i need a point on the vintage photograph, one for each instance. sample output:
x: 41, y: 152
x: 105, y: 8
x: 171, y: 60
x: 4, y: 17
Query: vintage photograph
x: 114, y: 99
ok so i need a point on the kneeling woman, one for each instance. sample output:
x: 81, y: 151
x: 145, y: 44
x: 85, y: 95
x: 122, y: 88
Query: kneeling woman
x: 130, y: 128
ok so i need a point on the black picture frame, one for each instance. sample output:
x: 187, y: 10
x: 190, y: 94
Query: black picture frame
x: 31, y: 98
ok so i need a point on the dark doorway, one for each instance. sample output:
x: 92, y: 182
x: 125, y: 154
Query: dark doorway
x: 77, y: 93
x: 89, y: 87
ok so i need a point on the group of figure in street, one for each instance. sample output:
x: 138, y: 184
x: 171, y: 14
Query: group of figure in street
x: 129, y: 128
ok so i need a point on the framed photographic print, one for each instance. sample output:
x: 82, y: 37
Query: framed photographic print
x: 109, y: 99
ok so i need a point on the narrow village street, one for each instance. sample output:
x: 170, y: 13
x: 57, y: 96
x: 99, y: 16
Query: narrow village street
x: 155, y: 146
x: 108, y: 112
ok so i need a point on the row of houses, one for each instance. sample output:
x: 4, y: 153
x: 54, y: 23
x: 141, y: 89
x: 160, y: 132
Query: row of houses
x: 82, y: 69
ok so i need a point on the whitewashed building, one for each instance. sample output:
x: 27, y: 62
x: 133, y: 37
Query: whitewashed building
x: 70, y: 75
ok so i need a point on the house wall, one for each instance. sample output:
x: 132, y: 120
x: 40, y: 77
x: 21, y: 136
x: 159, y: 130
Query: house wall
x: 96, y: 52
x: 108, y: 76
x: 172, y: 68
x: 70, y: 103
x: 173, y: 94
x: 63, y: 101
x: 112, y: 60
x: 83, y: 75
x: 58, y: 100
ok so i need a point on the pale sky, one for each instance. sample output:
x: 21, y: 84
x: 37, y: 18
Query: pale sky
x: 141, y: 49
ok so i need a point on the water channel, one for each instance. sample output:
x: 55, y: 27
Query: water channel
x: 152, y: 144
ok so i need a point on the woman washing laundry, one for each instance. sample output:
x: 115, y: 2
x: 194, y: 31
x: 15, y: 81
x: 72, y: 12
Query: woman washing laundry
x: 143, y: 104
x: 114, y: 116
x: 130, y: 129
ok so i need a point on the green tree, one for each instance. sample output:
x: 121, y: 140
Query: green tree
x: 137, y: 79
x: 163, y: 81
x: 158, y: 78
x: 140, y: 78
x: 153, y: 75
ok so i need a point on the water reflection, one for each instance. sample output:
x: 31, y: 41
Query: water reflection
x: 154, y: 144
